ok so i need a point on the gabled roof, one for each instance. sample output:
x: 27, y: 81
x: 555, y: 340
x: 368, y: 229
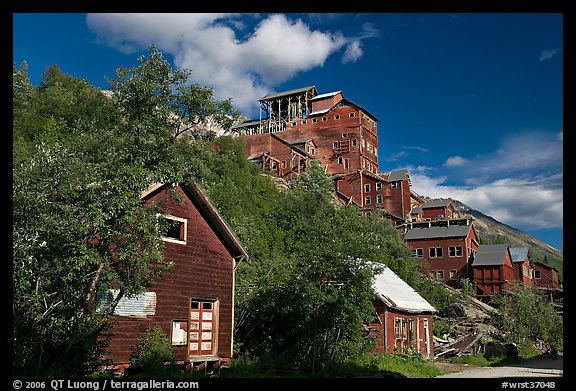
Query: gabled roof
x: 490, y: 255
x: 347, y: 102
x: 291, y: 145
x: 303, y: 141
x: 209, y: 212
x: 397, y: 294
x: 326, y: 95
x: 311, y: 89
x: 436, y: 203
x: 519, y: 254
x: 394, y: 176
x: 248, y: 122
x: 451, y: 231
x: 545, y: 266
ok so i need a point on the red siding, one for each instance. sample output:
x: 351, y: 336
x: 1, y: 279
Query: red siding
x: 433, y: 213
x: 327, y: 102
x: 523, y: 272
x: 493, y: 279
x: 419, y: 340
x: 203, y: 268
x: 446, y: 263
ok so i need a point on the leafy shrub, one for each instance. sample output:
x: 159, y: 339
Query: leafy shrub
x: 152, y: 356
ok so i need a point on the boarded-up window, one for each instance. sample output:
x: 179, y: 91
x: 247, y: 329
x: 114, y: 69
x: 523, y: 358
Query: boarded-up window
x: 140, y: 305
x: 179, y: 332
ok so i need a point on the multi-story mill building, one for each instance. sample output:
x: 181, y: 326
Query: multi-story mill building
x: 300, y: 125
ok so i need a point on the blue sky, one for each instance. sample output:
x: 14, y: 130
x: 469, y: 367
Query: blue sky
x: 470, y: 103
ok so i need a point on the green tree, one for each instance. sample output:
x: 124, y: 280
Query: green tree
x: 79, y: 226
x: 60, y: 108
x: 528, y: 316
x: 305, y: 303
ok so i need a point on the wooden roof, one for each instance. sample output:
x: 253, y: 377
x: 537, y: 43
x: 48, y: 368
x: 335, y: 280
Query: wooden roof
x: 209, y: 212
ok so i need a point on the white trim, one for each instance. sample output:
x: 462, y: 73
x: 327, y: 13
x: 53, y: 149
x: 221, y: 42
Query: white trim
x: 180, y: 219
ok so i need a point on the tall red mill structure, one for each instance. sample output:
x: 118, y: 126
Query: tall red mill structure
x: 300, y: 125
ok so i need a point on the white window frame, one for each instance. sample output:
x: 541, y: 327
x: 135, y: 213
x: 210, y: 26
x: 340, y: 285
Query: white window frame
x: 436, y: 250
x: 184, y: 233
x: 455, y: 251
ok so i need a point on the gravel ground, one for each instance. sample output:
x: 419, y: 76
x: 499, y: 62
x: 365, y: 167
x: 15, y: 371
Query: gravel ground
x: 528, y: 368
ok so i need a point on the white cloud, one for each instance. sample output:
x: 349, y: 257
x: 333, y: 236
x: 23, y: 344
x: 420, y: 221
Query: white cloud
x: 353, y: 52
x: 455, y: 161
x: 522, y: 204
x: 517, y: 153
x: 242, y: 67
x: 521, y: 184
x: 547, y: 54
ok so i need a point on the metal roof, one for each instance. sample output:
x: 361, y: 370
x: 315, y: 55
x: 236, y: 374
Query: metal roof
x: 246, y: 123
x: 291, y: 92
x: 321, y: 96
x: 519, y: 254
x: 302, y: 141
x: 451, y: 231
x: 320, y: 111
x: 436, y: 203
x: 397, y: 294
x: 490, y: 255
x: 397, y: 175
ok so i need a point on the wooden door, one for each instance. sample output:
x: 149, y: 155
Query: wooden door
x: 202, y: 328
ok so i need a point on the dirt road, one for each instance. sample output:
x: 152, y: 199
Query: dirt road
x: 529, y: 368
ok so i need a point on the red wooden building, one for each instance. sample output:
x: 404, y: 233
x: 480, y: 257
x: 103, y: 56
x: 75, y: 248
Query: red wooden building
x: 523, y: 265
x: 444, y: 248
x: 193, y: 302
x: 344, y: 140
x: 404, y: 321
x: 438, y: 209
x: 492, y: 270
x: 546, y: 279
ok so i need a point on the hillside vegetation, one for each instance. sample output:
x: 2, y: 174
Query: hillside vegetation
x: 80, y: 161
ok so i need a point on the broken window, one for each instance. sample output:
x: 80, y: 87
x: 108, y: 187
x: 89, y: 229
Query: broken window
x: 435, y: 252
x: 177, y: 229
x: 455, y: 251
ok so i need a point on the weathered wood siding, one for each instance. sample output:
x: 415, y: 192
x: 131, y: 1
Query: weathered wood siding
x: 327, y: 102
x: 203, y: 268
x: 458, y: 264
x: 419, y: 340
x: 447, y: 212
x: 493, y: 279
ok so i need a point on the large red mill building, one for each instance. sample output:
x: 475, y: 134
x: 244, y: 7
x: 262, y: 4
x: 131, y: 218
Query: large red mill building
x: 300, y: 125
